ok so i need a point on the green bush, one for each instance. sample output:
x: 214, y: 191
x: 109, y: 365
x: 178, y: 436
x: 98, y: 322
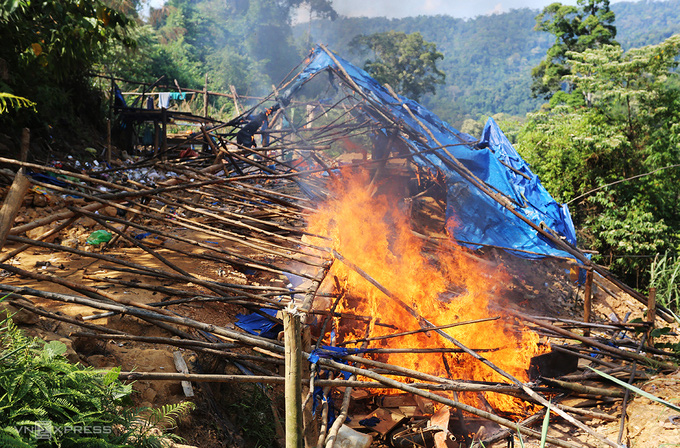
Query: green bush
x: 665, y: 277
x: 45, y: 401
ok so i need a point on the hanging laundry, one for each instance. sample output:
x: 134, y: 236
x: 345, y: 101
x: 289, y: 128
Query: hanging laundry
x: 164, y: 100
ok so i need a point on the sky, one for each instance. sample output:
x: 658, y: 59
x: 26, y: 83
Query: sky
x: 463, y: 9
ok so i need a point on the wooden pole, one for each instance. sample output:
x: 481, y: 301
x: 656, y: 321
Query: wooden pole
x: 651, y: 314
x: 205, y: 97
x: 587, y: 300
x: 25, y: 143
x: 235, y: 97
x: 108, y: 140
x: 164, y: 130
x: 12, y: 204
x: 292, y: 329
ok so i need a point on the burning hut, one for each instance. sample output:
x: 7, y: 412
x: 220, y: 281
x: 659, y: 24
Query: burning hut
x: 383, y: 273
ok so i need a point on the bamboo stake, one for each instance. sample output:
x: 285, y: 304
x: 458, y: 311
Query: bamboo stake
x: 651, y: 314
x: 626, y: 395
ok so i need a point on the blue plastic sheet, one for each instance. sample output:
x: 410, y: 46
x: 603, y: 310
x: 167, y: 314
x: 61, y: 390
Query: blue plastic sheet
x: 480, y: 219
x: 259, y: 325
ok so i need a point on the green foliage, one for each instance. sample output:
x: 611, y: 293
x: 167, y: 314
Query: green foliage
x: 48, y: 47
x: 665, y: 277
x: 591, y: 25
x: 253, y: 415
x: 58, y: 40
x: 404, y: 61
x: 488, y: 59
x: 624, y: 126
x: 47, y: 401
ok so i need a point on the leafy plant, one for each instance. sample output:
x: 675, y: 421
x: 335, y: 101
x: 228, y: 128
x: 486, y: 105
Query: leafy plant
x: 9, y: 101
x: 405, y: 61
x: 253, y: 415
x: 665, y: 277
x: 611, y: 152
x: 47, y: 401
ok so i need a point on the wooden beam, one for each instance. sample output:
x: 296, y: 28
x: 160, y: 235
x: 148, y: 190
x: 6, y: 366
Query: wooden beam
x: 292, y: 329
x: 12, y: 204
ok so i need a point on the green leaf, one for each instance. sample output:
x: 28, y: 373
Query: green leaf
x: 637, y: 390
x: 54, y: 348
x: 544, y: 427
x: 111, y: 376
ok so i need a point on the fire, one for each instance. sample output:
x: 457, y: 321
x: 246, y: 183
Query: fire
x: 374, y: 234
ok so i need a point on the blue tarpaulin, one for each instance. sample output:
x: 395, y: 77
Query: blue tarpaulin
x: 479, y: 218
x: 259, y: 325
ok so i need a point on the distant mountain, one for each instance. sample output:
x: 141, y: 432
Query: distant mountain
x: 488, y: 59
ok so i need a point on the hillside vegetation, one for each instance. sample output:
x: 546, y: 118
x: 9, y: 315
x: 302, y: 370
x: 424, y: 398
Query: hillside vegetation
x: 488, y: 59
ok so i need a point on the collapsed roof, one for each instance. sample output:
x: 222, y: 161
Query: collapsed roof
x: 491, y: 193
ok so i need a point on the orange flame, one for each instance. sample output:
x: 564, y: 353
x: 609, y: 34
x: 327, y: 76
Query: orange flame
x: 374, y: 234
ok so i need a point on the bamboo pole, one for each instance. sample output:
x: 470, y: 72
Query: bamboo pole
x: 94, y: 293
x: 233, y: 256
x: 41, y: 237
x: 145, y: 269
x: 406, y: 333
x: 18, y: 230
x: 447, y: 401
x: 586, y: 390
x: 68, y: 320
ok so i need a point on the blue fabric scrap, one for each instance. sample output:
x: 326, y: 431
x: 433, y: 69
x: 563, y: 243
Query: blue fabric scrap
x: 369, y: 422
x: 259, y: 325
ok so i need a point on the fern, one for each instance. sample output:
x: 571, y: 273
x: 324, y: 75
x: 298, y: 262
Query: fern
x: 42, y: 396
x: 166, y: 415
